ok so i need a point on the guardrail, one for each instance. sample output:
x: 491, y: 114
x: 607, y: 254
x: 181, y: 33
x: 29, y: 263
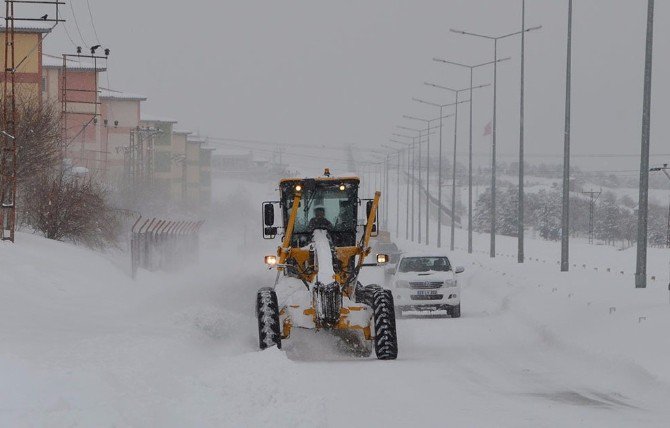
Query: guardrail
x: 157, y: 244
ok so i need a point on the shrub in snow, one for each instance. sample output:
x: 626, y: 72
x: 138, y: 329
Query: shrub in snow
x: 65, y: 206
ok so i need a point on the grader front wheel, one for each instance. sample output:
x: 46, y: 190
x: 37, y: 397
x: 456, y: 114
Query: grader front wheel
x: 386, y: 339
x: 267, y: 311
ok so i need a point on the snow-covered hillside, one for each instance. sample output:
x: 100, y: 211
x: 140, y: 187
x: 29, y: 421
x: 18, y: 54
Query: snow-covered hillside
x: 83, y: 345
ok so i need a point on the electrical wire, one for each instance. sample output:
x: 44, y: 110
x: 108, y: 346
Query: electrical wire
x: 74, y: 18
x: 95, y: 31
x: 68, y: 35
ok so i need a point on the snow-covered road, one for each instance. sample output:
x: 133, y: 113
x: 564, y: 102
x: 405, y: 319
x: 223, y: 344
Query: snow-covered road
x: 82, y: 345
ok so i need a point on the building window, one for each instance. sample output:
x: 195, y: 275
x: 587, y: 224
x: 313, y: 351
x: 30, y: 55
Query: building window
x: 44, y: 84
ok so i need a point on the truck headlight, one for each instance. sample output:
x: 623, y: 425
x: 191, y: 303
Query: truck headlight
x: 271, y: 260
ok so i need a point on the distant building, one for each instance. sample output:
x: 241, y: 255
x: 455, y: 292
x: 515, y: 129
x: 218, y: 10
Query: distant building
x: 82, y: 125
x: 120, y: 117
x: 28, y: 37
x: 178, y: 188
x: 162, y: 152
x: 193, y: 151
x: 206, y: 176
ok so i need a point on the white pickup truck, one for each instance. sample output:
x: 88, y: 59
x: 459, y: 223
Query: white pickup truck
x: 426, y: 282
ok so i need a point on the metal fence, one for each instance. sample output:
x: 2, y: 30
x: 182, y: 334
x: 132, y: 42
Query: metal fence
x: 165, y: 245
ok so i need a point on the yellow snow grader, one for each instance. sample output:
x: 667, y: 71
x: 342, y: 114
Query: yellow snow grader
x: 322, y: 252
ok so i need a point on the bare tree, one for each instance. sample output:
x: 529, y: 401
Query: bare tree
x: 38, y: 138
x: 64, y: 206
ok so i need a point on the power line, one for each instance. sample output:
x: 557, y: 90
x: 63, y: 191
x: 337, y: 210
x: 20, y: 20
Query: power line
x: 88, y: 5
x: 274, y: 144
x: 74, y: 18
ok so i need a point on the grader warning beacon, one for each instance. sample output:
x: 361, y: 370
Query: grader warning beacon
x: 322, y: 252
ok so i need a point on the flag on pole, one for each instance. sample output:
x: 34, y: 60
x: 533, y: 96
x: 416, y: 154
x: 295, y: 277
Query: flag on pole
x: 488, y: 129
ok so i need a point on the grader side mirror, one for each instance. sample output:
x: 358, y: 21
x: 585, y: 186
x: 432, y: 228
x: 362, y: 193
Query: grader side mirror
x: 268, y: 215
x: 368, y: 210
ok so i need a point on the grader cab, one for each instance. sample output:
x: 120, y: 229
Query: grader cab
x: 324, y: 247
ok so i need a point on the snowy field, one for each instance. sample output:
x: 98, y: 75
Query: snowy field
x: 83, y: 345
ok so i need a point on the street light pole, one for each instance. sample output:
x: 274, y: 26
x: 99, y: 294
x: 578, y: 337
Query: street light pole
x: 565, y: 216
x: 520, y: 232
x: 439, y: 191
x: 398, y: 153
x: 456, y: 92
x: 471, y: 68
x: 428, y: 128
x: 495, y: 106
x: 641, y: 270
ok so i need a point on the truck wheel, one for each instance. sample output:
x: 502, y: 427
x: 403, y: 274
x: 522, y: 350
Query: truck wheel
x: 386, y: 339
x: 267, y: 311
x: 455, y: 311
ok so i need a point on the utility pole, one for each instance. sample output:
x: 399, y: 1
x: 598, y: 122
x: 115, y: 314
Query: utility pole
x: 592, y: 209
x: 641, y: 270
x: 565, y: 217
x: 8, y: 143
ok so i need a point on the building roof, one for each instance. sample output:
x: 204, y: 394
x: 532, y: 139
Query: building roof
x: 110, y: 94
x: 195, y: 139
x: 151, y: 118
x: 52, y: 61
x: 181, y: 132
x: 28, y: 26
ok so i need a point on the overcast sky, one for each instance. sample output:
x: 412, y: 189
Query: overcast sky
x: 335, y: 73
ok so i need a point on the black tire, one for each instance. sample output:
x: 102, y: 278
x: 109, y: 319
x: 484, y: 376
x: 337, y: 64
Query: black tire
x: 455, y: 311
x: 365, y: 294
x: 267, y: 312
x: 386, y: 339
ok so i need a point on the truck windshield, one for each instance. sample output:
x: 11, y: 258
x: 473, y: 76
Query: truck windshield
x: 325, y: 207
x: 424, y: 264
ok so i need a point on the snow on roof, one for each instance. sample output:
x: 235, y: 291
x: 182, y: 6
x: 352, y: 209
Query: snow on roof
x: 52, y: 61
x: 151, y: 118
x: 110, y: 94
x: 196, y: 139
x: 28, y: 26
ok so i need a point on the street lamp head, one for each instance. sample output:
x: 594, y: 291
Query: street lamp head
x: 426, y: 102
x: 415, y: 118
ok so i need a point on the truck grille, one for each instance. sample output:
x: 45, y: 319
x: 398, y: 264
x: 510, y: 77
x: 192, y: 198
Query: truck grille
x: 421, y: 285
x: 429, y: 297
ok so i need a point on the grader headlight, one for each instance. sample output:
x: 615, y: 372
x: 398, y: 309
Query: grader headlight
x: 298, y: 188
x: 271, y: 260
x: 382, y: 259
